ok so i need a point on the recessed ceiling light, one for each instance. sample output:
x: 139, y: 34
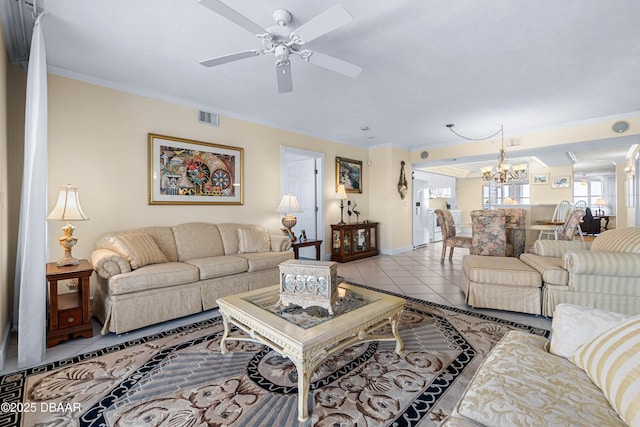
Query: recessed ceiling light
x: 364, y: 128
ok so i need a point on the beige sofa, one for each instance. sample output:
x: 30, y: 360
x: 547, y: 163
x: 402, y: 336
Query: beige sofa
x: 604, y: 274
x: 527, y: 380
x: 154, y: 274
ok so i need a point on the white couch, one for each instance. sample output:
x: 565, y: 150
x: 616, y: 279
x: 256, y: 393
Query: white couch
x: 154, y: 274
x: 527, y: 380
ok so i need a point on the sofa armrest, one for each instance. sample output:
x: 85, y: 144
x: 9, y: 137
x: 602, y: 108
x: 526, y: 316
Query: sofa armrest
x: 575, y: 325
x: 557, y: 248
x: 108, y: 263
x: 603, y: 263
x: 280, y: 243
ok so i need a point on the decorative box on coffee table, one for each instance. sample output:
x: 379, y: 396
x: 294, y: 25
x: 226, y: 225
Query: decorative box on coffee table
x: 309, y: 283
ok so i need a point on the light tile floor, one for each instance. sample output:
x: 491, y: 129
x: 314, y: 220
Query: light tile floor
x: 417, y: 273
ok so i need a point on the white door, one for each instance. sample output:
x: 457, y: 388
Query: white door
x: 300, y: 176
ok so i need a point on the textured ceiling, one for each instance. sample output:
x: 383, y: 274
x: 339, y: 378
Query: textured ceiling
x: 477, y: 63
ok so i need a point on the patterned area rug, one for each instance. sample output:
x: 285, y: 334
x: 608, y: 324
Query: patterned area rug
x: 179, y: 378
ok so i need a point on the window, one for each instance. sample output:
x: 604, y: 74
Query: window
x: 588, y: 190
x: 517, y: 194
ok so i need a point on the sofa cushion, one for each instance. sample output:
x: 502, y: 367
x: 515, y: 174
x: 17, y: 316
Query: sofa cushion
x: 265, y: 260
x: 136, y: 247
x: 574, y: 325
x: 253, y: 240
x: 219, y: 266
x: 612, y: 361
x: 229, y: 235
x: 197, y: 240
x: 153, y: 277
x: 618, y: 240
x: 550, y: 268
x: 521, y: 384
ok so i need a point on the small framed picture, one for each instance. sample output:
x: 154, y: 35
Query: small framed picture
x: 561, y: 182
x: 349, y: 173
x: 303, y: 235
x: 540, y: 178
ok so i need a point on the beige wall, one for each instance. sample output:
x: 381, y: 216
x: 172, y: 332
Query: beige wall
x: 98, y: 143
x: 391, y: 211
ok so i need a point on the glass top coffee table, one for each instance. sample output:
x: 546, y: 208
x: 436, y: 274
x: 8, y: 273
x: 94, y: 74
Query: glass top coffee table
x: 309, y: 336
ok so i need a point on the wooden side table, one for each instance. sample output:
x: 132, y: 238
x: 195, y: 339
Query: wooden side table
x: 301, y: 244
x: 69, y: 313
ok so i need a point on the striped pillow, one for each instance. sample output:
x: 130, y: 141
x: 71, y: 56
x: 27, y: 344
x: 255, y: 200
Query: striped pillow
x: 612, y: 361
x: 138, y: 248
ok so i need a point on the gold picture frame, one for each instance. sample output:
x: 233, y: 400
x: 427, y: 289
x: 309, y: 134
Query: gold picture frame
x: 187, y: 172
x: 349, y: 173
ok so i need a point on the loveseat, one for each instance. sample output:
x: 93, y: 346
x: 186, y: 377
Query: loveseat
x: 527, y: 380
x: 604, y: 274
x: 153, y: 274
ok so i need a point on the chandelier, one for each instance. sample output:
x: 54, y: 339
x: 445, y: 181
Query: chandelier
x: 503, y: 172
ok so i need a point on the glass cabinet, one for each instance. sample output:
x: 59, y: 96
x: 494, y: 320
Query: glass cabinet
x: 354, y: 241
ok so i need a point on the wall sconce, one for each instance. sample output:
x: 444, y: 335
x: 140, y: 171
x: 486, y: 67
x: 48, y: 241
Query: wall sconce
x: 402, y: 182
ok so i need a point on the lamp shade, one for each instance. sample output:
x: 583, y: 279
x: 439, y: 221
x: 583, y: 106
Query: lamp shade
x: 288, y: 204
x: 600, y: 202
x: 68, y: 207
x: 341, y: 194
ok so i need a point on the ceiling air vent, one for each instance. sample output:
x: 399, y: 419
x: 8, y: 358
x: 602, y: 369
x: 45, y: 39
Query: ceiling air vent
x: 208, y: 118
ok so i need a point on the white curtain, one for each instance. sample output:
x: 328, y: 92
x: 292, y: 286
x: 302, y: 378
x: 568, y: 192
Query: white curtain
x: 609, y: 194
x: 30, y: 302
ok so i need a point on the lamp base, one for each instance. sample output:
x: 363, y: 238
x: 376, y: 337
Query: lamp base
x: 289, y: 221
x: 67, y: 242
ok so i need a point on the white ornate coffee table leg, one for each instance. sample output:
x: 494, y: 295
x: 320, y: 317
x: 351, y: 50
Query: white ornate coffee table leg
x: 223, y: 340
x: 304, y: 384
x: 395, y: 321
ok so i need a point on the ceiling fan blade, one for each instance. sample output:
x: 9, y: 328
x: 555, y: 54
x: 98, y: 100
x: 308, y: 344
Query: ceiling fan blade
x: 229, y: 58
x: 232, y: 15
x: 334, y: 64
x: 329, y: 20
x: 283, y: 74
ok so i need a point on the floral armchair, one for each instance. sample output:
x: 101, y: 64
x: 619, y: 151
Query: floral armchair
x: 449, y: 238
x: 515, y: 221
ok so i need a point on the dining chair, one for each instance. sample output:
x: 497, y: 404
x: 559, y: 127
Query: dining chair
x: 488, y: 232
x: 580, y: 204
x: 515, y: 222
x: 558, y: 219
x: 449, y: 238
x: 570, y: 226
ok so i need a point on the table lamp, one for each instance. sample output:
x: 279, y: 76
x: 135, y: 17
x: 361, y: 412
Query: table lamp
x: 67, y: 209
x: 342, y: 196
x: 600, y: 203
x: 289, y: 204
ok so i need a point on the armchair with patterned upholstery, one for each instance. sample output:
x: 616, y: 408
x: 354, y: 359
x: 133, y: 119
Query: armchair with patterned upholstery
x: 449, y: 238
x: 515, y: 221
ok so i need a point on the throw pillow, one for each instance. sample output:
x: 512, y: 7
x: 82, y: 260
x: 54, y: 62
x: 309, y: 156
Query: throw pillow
x: 138, y: 248
x: 253, y: 240
x: 574, y: 325
x: 612, y: 361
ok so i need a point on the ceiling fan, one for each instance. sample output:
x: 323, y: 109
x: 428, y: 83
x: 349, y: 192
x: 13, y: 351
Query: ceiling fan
x: 284, y: 42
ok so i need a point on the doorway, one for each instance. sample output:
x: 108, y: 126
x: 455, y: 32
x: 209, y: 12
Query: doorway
x: 302, y: 174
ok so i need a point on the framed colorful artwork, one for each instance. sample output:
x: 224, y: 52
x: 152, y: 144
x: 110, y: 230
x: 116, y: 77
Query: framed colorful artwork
x: 561, y: 182
x: 349, y: 173
x: 183, y: 171
x: 540, y: 178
